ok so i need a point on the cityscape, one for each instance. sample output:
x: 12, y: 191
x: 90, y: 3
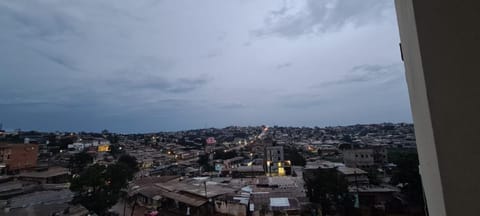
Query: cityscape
x: 369, y: 169
x: 221, y: 108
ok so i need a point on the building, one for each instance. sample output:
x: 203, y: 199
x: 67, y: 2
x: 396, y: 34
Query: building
x: 16, y: 157
x: 51, y: 202
x: 380, y: 156
x: 374, y: 196
x: 177, y: 195
x: 326, y: 149
x: 375, y: 156
x: 210, y: 144
x: 277, y: 196
x: 233, y: 162
x: 245, y: 171
x: 101, y: 145
x: 354, y: 176
x: 234, y: 205
x: 274, y: 161
x: 52, y: 175
x: 359, y: 158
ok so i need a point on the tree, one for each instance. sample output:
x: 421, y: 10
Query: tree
x: 64, y: 141
x: 347, y: 138
x: 221, y: 154
x: 91, y: 189
x: 113, y: 138
x: 407, y: 173
x: 330, y: 190
x: 99, y: 187
x: 129, y: 161
x: 373, y: 177
x: 117, y: 150
x: 203, y: 161
x: 296, y: 158
x: 79, y: 161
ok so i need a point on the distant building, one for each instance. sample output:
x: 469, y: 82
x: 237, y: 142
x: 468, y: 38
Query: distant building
x: 210, y: 144
x: 326, y: 149
x: 353, y: 176
x: 103, y: 148
x: 101, y: 145
x: 380, y: 156
x: 375, y: 156
x: 358, y: 158
x: 274, y: 161
x: 233, y: 162
x: 235, y: 205
x: 16, y: 157
x: 52, y: 175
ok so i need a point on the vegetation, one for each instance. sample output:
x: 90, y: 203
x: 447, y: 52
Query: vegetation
x: 330, y: 190
x: 78, y: 162
x: 129, y: 161
x: 296, y: 158
x: 98, y: 187
x: 117, y: 150
x: 203, y: 161
x: 224, y: 155
x: 407, y: 174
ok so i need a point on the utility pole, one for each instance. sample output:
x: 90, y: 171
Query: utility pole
x: 205, y: 183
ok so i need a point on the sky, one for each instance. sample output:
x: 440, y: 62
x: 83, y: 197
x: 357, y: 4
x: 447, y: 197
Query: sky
x: 164, y: 65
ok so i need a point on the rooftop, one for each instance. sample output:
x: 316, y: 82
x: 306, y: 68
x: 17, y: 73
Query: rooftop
x: 351, y: 171
x: 51, y: 172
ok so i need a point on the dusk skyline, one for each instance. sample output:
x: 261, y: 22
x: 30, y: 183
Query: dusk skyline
x: 147, y: 66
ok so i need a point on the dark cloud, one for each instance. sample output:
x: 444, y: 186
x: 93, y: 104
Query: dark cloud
x: 319, y: 16
x: 90, y: 65
x: 231, y: 106
x: 61, y: 60
x: 369, y: 74
x: 187, y: 84
x: 284, y: 65
x: 304, y: 102
x: 149, y: 82
x: 38, y: 21
x: 24, y: 103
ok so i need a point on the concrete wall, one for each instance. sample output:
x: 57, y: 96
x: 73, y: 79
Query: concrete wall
x: 19, y: 156
x: 441, y: 49
x: 229, y: 208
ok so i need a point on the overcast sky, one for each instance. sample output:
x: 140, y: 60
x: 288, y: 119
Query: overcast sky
x: 137, y: 66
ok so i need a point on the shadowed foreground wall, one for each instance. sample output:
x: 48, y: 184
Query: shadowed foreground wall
x: 441, y: 50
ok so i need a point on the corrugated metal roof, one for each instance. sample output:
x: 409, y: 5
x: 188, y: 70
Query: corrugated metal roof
x: 279, y: 202
x: 189, y: 200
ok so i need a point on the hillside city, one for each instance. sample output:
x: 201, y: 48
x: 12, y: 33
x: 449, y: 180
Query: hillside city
x: 369, y: 169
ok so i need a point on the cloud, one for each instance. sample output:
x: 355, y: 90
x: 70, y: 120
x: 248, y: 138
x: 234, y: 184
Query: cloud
x: 320, y: 16
x: 284, y: 65
x: 24, y: 103
x: 222, y: 37
x: 187, y: 84
x: 231, y: 106
x: 367, y: 74
x: 304, y: 102
x: 247, y: 44
x: 44, y: 21
x: 61, y: 60
x: 149, y: 82
x: 214, y: 53
x: 102, y: 64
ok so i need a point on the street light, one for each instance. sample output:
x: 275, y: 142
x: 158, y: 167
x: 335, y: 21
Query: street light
x: 268, y: 167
